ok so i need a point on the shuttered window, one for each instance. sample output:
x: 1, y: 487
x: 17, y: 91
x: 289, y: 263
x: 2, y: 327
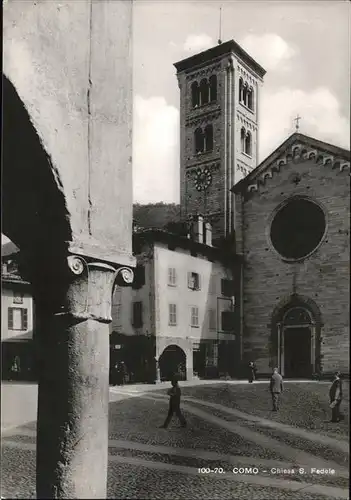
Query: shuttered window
x: 137, y: 320
x: 194, y: 281
x: 228, y: 321
x: 17, y: 318
x: 212, y: 322
x: 172, y: 311
x: 227, y: 288
x: 139, y: 277
x: 172, y: 276
x: 194, y: 318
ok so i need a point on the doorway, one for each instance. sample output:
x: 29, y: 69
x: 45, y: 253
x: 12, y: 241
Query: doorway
x: 172, y: 361
x: 297, y: 352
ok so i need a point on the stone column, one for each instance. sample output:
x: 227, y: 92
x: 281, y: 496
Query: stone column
x: 73, y: 397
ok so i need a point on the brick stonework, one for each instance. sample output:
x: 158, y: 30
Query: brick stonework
x: 322, y: 277
x: 226, y: 162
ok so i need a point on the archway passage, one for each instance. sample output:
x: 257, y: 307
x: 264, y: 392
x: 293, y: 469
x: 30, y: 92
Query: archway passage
x: 172, y: 361
x: 297, y: 343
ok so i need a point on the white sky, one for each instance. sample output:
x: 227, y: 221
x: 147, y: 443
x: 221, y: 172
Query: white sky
x: 304, y: 46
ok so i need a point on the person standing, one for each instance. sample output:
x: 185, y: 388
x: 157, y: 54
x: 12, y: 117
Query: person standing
x: 335, y: 397
x: 252, y: 372
x: 174, y: 405
x: 16, y: 367
x: 123, y: 373
x: 115, y: 373
x: 276, y: 388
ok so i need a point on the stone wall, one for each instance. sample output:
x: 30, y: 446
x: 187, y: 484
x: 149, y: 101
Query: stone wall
x: 70, y: 63
x: 322, y: 277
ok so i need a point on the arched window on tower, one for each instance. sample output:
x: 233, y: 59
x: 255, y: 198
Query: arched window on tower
x: 248, y: 144
x: 195, y: 94
x: 245, y: 92
x: 250, y: 100
x: 241, y: 90
x: 213, y: 88
x: 209, y: 138
x: 199, y: 140
x: 204, y: 91
x: 242, y: 139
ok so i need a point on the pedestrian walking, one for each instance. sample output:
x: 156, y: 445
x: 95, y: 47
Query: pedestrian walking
x: 122, y: 373
x: 16, y: 367
x: 174, y: 405
x: 252, y: 372
x: 276, y: 388
x: 335, y: 397
x: 116, y: 373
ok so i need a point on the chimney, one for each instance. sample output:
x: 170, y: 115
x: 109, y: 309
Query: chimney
x: 200, y: 229
x: 208, y: 234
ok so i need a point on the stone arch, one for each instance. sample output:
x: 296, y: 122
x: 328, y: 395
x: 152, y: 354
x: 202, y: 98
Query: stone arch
x: 172, y: 361
x: 35, y: 215
x: 31, y: 186
x: 277, y: 326
x: 296, y: 300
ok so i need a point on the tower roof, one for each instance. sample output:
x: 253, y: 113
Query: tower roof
x: 230, y: 47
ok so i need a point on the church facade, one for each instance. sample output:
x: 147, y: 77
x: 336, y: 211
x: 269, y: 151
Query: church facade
x: 292, y: 230
x: 288, y: 216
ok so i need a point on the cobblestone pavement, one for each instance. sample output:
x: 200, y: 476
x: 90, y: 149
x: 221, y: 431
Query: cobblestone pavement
x: 148, y: 462
x: 305, y: 406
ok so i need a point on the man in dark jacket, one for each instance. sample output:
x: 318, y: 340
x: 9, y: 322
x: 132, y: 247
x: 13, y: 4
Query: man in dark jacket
x: 252, y: 372
x: 276, y: 388
x: 335, y: 397
x: 174, y: 405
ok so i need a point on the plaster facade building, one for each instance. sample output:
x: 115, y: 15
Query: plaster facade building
x: 17, y: 316
x: 183, y: 302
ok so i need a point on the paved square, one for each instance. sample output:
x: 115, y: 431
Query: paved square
x: 230, y: 427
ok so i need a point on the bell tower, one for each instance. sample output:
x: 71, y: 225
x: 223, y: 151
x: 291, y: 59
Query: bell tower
x: 219, y: 95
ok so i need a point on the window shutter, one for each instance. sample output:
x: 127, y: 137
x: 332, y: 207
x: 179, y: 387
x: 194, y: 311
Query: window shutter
x: 212, y: 319
x: 24, y: 319
x: 10, y: 318
x: 190, y: 281
x: 227, y: 288
x: 139, y: 277
x: 137, y: 314
x: 228, y: 321
x: 198, y: 282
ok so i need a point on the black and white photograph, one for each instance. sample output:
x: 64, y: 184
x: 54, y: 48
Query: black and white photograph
x: 175, y: 249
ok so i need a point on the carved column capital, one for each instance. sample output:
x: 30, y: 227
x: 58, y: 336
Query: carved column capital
x: 90, y: 287
x: 77, y: 287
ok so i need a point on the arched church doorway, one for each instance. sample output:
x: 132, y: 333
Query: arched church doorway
x: 172, y: 361
x: 297, y: 343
